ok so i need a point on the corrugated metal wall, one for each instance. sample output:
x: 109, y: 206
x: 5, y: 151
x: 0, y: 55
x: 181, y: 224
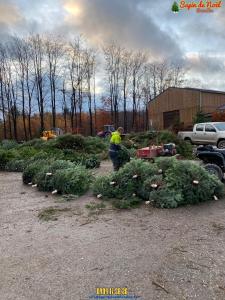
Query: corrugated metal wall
x: 188, y: 102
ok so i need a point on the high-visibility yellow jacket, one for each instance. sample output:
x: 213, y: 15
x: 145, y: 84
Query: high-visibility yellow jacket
x: 116, y: 138
x: 115, y: 141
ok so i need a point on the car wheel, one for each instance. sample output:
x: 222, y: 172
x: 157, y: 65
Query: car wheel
x: 221, y: 144
x: 215, y: 170
x: 187, y: 140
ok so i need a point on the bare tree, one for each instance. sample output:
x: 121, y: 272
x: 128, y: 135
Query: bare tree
x: 2, y: 94
x: 113, y: 56
x: 54, y: 51
x: 137, y: 71
x: 125, y: 78
x: 90, y: 65
x: 37, y: 55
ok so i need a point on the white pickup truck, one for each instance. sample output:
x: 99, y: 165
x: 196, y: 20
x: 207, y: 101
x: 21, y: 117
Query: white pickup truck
x: 206, y: 133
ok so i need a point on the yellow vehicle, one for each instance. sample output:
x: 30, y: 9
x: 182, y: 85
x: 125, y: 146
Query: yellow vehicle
x: 51, y: 134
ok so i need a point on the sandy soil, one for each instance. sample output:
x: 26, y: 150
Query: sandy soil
x: 157, y: 254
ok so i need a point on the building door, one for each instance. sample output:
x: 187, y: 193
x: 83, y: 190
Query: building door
x: 171, y: 118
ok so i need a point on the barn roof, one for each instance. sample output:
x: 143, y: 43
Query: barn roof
x: 202, y: 90
x: 189, y: 88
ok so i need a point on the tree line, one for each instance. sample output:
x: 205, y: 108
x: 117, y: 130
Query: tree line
x: 56, y: 79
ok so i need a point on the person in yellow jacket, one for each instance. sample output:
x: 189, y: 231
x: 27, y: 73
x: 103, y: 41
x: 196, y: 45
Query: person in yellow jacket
x: 114, y: 148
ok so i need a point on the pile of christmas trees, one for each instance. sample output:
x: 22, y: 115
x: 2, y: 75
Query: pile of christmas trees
x: 58, y: 176
x: 168, y: 183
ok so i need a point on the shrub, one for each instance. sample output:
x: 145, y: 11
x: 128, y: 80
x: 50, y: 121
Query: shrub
x: 101, y: 186
x: 36, y: 143
x: 123, y: 156
x: 127, y: 181
x: 72, y: 155
x: 181, y: 176
x: 39, y: 156
x: 8, y: 144
x: 16, y: 165
x: 201, y: 117
x: 128, y: 143
x: 164, y: 163
x: 72, y: 181
x: 27, y: 152
x: 92, y: 162
x: 166, y: 198
x: 69, y: 141
x: 95, y: 145
x: 32, y: 169
x: 142, y: 139
x: 45, y: 181
x: 166, y: 136
x: 169, y: 183
x: 5, y: 157
x: 146, y: 189
x: 185, y: 149
x: 132, y: 152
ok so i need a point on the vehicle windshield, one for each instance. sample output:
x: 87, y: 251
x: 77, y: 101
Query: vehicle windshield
x: 220, y: 127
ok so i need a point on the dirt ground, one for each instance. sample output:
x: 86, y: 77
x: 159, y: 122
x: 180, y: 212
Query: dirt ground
x: 156, y: 253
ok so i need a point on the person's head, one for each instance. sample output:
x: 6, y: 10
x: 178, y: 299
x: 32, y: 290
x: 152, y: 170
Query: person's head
x: 120, y: 130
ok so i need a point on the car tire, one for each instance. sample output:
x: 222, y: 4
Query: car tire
x: 215, y: 170
x: 188, y: 140
x: 221, y: 144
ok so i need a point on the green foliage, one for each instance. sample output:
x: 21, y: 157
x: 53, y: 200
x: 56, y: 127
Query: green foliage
x: 92, y: 162
x: 127, y: 181
x: 132, y: 152
x: 185, y: 149
x: 26, y: 152
x: 72, y: 181
x: 8, y: 144
x: 166, y: 136
x: 123, y: 156
x: 142, y: 139
x: 164, y: 163
x: 69, y: 141
x: 128, y: 143
x: 101, y: 186
x: 146, y: 189
x: 32, y: 169
x: 72, y: 155
x: 39, y: 156
x: 168, y: 183
x: 44, y: 180
x: 5, y: 157
x: 16, y: 165
x: 95, y: 145
x: 201, y: 117
x: 166, y: 198
x: 36, y: 143
x: 181, y: 176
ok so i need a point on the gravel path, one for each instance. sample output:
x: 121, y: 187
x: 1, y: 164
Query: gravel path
x: 157, y: 254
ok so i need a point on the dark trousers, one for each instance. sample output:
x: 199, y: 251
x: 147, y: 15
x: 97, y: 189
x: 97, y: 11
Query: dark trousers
x: 114, y: 158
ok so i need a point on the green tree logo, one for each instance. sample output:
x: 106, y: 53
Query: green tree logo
x: 175, y: 7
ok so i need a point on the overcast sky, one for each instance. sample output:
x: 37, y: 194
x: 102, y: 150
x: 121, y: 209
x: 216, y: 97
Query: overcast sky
x: 197, y: 39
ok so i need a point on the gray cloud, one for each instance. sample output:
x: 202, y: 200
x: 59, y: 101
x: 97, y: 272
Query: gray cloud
x: 208, y: 69
x: 122, y: 21
x: 138, y: 24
